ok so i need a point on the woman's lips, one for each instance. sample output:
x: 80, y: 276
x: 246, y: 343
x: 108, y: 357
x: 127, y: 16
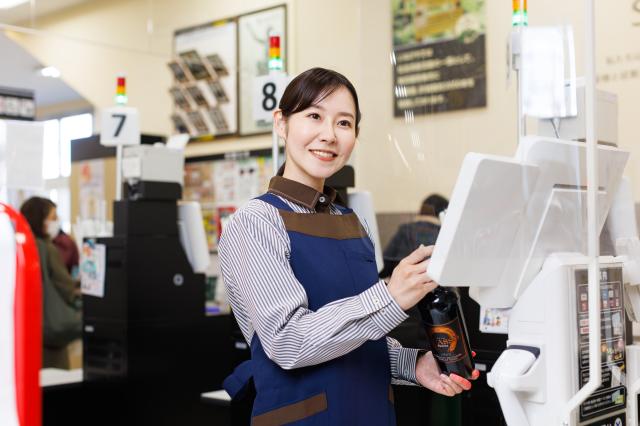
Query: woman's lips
x: 323, y: 155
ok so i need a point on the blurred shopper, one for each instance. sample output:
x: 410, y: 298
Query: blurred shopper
x: 423, y: 229
x: 61, y: 293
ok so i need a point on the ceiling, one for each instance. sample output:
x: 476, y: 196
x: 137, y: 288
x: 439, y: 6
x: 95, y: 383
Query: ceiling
x: 20, y: 70
x: 22, y: 14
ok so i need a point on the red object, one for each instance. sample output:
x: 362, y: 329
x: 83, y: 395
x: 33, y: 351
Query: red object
x: 274, y: 41
x: 223, y: 213
x: 68, y: 250
x: 122, y: 83
x: 27, y: 321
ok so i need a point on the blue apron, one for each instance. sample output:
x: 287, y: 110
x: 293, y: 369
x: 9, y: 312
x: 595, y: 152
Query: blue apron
x: 354, y: 389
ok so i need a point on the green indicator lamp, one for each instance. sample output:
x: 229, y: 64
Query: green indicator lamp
x: 275, y: 60
x: 519, y: 18
x: 121, y: 91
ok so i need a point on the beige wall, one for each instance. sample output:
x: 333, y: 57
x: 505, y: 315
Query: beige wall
x: 434, y: 146
x: 351, y: 36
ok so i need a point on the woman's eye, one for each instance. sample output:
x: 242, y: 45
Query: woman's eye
x: 344, y: 123
x: 314, y: 115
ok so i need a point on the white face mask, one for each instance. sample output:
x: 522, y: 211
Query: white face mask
x: 53, y: 228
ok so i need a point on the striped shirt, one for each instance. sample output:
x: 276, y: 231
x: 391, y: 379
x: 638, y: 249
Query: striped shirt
x: 267, y: 298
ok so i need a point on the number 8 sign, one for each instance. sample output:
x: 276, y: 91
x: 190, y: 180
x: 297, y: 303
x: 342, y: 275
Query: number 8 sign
x: 120, y: 126
x: 267, y: 91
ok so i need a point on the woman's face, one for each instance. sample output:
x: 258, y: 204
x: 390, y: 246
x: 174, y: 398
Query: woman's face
x: 52, y: 218
x: 319, y: 139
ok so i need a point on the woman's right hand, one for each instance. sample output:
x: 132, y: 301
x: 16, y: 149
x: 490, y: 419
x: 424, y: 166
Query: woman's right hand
x: 409, y: 281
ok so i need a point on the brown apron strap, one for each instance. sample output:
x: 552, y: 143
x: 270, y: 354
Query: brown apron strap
x: 293, y: 412
x: 339, y: 227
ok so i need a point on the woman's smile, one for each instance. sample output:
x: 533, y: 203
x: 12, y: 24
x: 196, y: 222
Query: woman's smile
x: 323, y: 155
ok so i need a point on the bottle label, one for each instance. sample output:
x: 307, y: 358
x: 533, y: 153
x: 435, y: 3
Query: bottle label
x: 447, y: 341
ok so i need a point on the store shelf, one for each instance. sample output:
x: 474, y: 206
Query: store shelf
x: 227, y: 145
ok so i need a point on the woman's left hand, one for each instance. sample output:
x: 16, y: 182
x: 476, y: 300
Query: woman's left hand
x: 430, y: 377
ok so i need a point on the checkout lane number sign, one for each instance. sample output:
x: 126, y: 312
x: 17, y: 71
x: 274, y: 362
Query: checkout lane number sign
x: 267, y: 91
x: 120, y: 126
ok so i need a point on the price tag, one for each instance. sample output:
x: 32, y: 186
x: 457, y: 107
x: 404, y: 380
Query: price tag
x: 120, y: 126
x: 267, y: 91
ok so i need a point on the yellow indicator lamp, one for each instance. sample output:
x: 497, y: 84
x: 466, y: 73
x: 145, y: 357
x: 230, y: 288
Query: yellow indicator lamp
x: 121, y: 91
x: 275, y: 60
x: 519, y: 17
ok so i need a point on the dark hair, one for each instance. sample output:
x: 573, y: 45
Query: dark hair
x: 433, y: 205
x: 311, y: 87
x: 36, y: 210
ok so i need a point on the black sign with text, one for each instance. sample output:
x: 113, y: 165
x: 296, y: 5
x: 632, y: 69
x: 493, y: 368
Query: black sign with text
x: 17, y: 104
x: 443, y: 76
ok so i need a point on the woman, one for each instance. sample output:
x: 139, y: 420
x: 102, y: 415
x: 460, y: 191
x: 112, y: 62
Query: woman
x: 301, y: 278
x: 61, y: 316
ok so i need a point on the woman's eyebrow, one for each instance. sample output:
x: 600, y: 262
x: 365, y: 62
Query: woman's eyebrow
x: 348, y: 114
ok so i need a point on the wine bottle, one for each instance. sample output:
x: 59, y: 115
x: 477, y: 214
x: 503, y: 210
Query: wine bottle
x: 442, y: 317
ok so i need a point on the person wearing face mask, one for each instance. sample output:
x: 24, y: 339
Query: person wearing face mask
x: 61, y: 316
x: 301, y: 277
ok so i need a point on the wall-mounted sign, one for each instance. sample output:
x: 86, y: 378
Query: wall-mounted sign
x: 17, y: 104
x: 438, y: 56
x: 214, y: 69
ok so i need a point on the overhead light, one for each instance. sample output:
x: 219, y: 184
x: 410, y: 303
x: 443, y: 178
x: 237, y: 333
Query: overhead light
x: 8, y: 4
x: 52, y: 72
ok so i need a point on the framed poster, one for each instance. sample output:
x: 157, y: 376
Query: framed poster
x: 205, y: 72
x: 254, y: 30
x: 439, y: 61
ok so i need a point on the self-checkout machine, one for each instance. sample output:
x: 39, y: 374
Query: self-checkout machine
x: 148, y: 347
x: 523, y: 233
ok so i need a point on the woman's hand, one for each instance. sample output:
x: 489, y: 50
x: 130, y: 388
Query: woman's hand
x: 409, y: 281
x: 430, y: 377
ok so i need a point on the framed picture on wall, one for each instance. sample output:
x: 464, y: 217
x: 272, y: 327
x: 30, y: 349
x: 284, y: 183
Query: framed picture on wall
x: 254, y: 30
x: 179, y: 98
x: 179, y: 123
x: 209, y: 55
x: 178, y: 72
x: 196, y: 94
x: 197, y: 123
x: 216, y: 62
x: 193, y: 61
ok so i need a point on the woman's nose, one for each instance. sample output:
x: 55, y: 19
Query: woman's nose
x: 328, y: 132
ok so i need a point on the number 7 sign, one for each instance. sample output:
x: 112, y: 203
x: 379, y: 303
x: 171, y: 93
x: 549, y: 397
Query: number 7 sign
x: 120, y: 126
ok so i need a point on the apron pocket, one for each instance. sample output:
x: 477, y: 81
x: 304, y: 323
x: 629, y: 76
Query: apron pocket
x: 293, y: 412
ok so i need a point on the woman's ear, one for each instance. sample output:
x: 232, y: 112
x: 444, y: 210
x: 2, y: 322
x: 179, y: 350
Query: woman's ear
x: 280, y: 124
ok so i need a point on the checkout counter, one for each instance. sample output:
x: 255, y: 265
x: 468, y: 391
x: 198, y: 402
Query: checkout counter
x: 150, y: 350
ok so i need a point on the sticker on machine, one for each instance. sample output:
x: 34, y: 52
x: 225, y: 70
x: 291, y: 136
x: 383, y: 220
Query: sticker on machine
x: 615, y: 420
x: 92, y: 268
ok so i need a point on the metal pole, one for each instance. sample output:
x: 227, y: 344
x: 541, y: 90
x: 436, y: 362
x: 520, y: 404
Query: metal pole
x: 118, y: 172
x: 595, y: 373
